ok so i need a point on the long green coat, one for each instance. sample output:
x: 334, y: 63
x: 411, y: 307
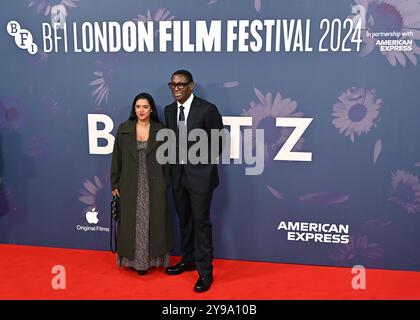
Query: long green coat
x: 124, y: 176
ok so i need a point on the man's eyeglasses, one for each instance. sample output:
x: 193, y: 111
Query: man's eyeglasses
x: 180, y: 85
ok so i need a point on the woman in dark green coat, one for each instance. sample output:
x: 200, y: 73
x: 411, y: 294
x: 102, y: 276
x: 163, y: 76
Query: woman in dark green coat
x: 144, y: 236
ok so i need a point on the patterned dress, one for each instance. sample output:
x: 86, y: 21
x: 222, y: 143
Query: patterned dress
x: 142, y: 259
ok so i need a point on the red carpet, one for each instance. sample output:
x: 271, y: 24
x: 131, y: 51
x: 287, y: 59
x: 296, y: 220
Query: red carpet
x: 25, y: 273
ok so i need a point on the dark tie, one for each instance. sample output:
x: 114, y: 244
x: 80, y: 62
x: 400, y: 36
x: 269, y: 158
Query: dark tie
x: 181, y: 114
x: 181, y: 131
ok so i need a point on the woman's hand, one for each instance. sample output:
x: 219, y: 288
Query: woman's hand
x: 115, y: 192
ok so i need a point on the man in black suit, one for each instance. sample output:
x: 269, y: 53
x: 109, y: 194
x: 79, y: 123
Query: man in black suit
x: 193, y: 184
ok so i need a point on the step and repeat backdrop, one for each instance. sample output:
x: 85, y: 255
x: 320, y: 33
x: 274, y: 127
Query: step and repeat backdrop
x: 332, y: 84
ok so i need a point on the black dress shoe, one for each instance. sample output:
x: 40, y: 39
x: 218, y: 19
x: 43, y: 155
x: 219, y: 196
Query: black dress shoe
x: 142, y: 272
x: 203, y: 284
x: 180, y: 268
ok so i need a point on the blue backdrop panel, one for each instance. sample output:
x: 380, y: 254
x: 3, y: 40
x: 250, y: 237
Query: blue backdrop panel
x: 364, y: 136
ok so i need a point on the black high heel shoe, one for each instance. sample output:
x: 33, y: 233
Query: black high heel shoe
x: 142, y: 272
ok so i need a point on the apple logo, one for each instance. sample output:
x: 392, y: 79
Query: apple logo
x: 92, y: 216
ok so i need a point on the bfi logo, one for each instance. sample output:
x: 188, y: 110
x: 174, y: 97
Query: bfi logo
x: 23, y: 38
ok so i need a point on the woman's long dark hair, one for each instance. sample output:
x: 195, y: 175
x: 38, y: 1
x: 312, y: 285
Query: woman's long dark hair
x: 153, y: 116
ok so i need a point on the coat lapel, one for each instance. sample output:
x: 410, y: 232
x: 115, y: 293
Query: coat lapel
x: 129, y: 128
x: 151, y: 143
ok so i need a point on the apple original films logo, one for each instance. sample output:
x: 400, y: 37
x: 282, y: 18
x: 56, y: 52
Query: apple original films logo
x: 92, y: 216
x: 92, y: 219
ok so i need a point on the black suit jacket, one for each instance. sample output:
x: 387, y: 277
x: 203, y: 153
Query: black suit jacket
x: 202, y: 115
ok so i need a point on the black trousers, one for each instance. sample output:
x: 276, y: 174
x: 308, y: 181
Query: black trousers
x: 196, y: 230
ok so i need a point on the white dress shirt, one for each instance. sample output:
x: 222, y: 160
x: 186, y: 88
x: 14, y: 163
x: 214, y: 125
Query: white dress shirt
x: 187, y: 107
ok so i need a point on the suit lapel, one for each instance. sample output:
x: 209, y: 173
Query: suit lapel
x: 173, y: 113
x: 193, y: 112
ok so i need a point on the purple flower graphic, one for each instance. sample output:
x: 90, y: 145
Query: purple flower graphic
x: 358, y: 251
x: 40, y: 144
x: 356, y: 111
x: 161, y: 14
x: 38, y: 58
x: 96, y: 193
x: 326, y: 198
x: 378, y: 222
x: 12, y: 114
x: 15, y: 211
x: 105, y: 69
x: 377, y: 150
x: 276, y: 193
x: 230, y: 84
x: 264, y: 113
x: 405, y: 191
x: 44, y: 6
x: 50, y: 104
x: 18, y: 212
x: 388, y: 16
x: 257, y: 4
